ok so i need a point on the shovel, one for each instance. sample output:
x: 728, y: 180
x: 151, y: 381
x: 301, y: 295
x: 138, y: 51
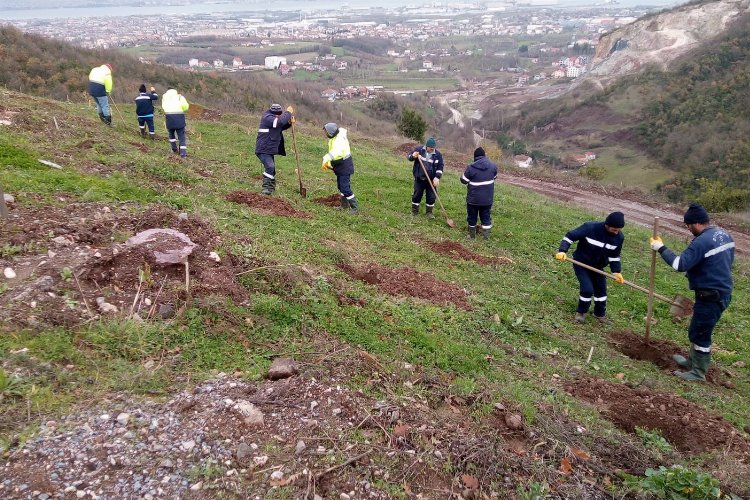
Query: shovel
x: 448, y: 220
x: 302, y: 189
x: 682, y: 307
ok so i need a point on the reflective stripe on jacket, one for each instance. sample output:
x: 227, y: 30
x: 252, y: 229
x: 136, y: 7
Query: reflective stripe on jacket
x: 174, y: 106
x: 100, y: 81
x: 340, y: 154
x: 144, y: 104
x: 597, y: 247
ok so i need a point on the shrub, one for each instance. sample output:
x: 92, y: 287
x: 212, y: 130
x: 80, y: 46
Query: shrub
x: 675, y: 483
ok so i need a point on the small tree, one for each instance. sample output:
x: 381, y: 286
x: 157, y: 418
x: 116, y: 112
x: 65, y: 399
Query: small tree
x: 411, y: 125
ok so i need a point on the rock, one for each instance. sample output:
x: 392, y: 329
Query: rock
x: 344, y: 496
x: 167, y: 245
x: 182, y: 216
x: 300, y: 447
x: 62, y: 241
x: 513, y: 421
x: 728, y: 384
x: 747, y: 429
x: 166, y: 463
x: 282, y: 368
x: 685, y: 419
x: 166, y: 311
x: 277, y: 475
x: 251, y: 414
x: 8, y: 198
x: 123, y: 419
x: 105, y: 306
x: 739, y: 364
x: 43, y: 284
x: 147, y: 301
x: 214, y: 256
x: 260, y: 460
x: 197, y: 486
x: 188, y: 445
x: 9, y: 273
x: 242, y: 452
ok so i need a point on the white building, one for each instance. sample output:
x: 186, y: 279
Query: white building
x: 193, y: 62
x: 273, y: 62
x: 218, y: 63
x: 236, y: 62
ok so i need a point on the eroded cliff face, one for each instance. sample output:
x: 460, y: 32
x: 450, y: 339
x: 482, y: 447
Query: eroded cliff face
x: 659, y: 39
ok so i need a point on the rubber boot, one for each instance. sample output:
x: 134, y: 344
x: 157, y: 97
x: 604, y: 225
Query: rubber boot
x: 579, y: 318
x: 684, y: 362
x: 344, y: 203
x: 101, y: 117
x: 700, y: 361
x: 414, y: 209
x: 430, y: 215
x: 486, y: 234
x: 472, y: 232
x: 267, y: 188
x: 108, y: 120
x: 143, y: 132
x: 353, y: 205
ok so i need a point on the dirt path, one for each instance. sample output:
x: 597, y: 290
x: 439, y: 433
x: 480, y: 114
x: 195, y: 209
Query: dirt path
x: 635, y: 212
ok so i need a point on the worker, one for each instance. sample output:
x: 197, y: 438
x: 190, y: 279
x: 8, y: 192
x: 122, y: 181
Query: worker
x: 175, y: 106
x: 432, y: 160
x: 599, y: 245
x: 339, y: 159
x: 100, y: 86
x: 479, y: 178
x: 707, y: 261
x: 270, y: 142
x: 144, y: 109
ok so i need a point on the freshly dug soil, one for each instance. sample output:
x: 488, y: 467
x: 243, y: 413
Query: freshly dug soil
x: 458, y: 251
x: 659, y: 352
x: 685, y: 425
x: 405, y: 281
x: 267, y: 204
x: 330, y: 201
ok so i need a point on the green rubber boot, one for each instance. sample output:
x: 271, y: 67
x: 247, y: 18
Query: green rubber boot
x: 472, y: 232
x: 700, y: 362
x: 414, y: 209
x: 354, y: 205
x: 684, y: 362
x: 344, y: 203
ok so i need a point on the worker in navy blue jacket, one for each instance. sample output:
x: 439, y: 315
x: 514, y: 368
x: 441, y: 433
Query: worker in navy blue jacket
x: 270, y: 142
x: 432, y: 160
x: 144, y: 109
x: 707, y: 261
x: 480, y: 179
x: 599, y: 245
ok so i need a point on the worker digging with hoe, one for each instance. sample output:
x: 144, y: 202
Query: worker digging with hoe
x: 432, y: 160
x: 599, y: 245
x: 707, y: 262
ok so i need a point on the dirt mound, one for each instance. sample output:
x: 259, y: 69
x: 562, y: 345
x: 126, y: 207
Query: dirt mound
x: 65, y: 258
x: 458, y: 251
x: 330, y: 201
x: 659, y: 352
x: 142, y: 147
x: 86, y: 144
x: 267, y: 204
x: 685, y: 425
x: 405, y: 281
x: 405, y: 148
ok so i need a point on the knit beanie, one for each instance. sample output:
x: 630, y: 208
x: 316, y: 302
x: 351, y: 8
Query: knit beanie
x: 142, y: 88
x: 479, y: 152
x: 615, y: 219
x: 696, y: 214
x: 275, y: 109
x: 431, y: 143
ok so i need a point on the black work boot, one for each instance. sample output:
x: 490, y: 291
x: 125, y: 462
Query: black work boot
x: 486, y: 234
x: 143, y: 132
x: 101, y: 117
x: 430, y: 215
x: 353, y: 205
x: 414, y: 209
x: 472, y: 232
x: 108, y: 120
x: 344, y: 203
x: 267, y: 188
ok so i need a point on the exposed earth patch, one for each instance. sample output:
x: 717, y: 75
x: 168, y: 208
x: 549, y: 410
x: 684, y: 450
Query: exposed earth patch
x: 269, y: 205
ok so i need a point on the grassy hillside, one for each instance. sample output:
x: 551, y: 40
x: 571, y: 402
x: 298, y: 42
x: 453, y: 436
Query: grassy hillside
x: 687, y: 126
x: 494, y: 383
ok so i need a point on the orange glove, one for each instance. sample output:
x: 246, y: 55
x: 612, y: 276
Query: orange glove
x: 292, y: 121
x: 560, y: 256
x: 619, y: 278
x: 290, y: 109
x: 415, y: 155
x: 326, y: 166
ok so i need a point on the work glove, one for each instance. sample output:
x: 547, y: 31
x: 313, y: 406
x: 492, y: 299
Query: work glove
x: 656, y: 243
x: 619, y: 278
x: 292, y: 121
x: 435, y: 182
x: 560, y: 256
x: 153, y: 89
x: 290, y: 109
x: 415, y: 155
x: 326, y: 166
